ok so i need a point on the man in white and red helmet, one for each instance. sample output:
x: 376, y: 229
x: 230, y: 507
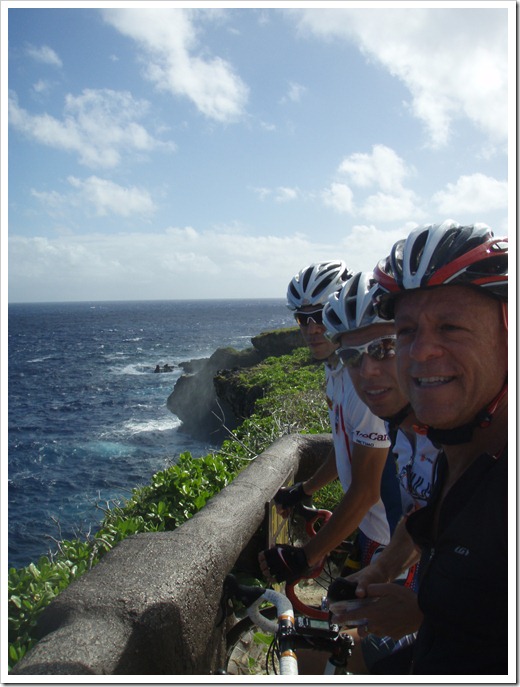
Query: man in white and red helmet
x: 446, y: 287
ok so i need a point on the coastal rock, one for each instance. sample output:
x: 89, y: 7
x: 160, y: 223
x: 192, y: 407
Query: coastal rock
x: 207, y: 398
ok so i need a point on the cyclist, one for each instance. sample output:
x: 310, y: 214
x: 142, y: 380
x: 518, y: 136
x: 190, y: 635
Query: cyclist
x: 446, y: 286
x: 368, y: 353
x: 360, y: 447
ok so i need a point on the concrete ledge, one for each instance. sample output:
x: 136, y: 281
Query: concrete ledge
x: 151, y: 605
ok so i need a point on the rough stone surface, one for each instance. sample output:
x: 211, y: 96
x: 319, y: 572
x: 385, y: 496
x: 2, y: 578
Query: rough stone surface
x: 151, y: 605
x: 204, y: 408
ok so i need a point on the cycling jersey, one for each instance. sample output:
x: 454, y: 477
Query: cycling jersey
x: 463, y: 587
x: 415, y: 458
x: 353, y: 423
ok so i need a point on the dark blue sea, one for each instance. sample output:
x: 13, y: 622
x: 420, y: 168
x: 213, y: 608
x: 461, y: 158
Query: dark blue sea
x: 87, y: 414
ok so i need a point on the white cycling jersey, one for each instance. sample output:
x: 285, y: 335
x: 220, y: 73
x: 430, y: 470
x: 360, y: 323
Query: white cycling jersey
x: 415, y: 460
x: 353, y: 423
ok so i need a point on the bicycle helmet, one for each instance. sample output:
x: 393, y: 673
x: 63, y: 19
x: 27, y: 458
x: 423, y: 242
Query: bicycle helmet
x: 314, y: 284
x: 351, y: 307
x: 440, y: 255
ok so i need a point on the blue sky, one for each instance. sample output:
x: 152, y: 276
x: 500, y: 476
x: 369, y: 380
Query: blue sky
x: 187, y: 152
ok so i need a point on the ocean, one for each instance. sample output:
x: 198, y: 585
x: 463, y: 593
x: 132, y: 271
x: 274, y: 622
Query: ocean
x: 87, y: 413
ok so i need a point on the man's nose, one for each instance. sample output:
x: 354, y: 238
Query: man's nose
x: 424, y: 345
x: 368, y: 366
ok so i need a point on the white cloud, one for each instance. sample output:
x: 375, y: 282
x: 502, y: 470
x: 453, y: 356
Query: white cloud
x: 472, y: 194
x: 168, y: 38
x: 284, y: 194
x: 41, y: 86
x: 110, y: 198
x: 295, y: 93
x: 454, y: 61
x: 281, y: 194
x: 98, y: 125
x: 177, y: 263
x: 44, y: 54
x: 339, y: 197
x: 103, y: 196
x: 383, y: 168
x: 385, y: 207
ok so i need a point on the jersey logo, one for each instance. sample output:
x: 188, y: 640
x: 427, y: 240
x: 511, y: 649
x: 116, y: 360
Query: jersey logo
x: 373, y: 436
x: 461, y: 550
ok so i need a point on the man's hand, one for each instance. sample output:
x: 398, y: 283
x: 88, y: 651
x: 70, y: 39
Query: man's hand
x: 394, y: 613
x: 371, y: 574
x: 287, y: 497
x: 283, y: 563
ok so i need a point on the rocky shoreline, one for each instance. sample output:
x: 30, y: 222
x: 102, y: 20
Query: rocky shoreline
x: 208, y: 398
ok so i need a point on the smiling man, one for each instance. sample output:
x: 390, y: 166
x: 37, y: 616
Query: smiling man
x: 446, y: 287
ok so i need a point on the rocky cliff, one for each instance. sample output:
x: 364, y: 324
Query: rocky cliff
x: 207, y: 397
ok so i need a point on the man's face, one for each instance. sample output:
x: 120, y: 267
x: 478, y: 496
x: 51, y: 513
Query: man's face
x: 451, y: 353
x: 313, y: 333
x: 375, y: 381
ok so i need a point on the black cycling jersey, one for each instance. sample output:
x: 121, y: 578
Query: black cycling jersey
x: 463, y: 587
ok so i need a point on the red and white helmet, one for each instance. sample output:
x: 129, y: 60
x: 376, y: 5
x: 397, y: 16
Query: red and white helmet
x: 314, y: 284
x: 440, y: 255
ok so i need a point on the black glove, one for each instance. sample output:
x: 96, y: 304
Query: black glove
x: 286, y: 563
x: 287, y: 497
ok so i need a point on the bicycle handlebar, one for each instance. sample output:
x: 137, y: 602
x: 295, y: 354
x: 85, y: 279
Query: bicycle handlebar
x: 252, y: 597
x: 289, y: 635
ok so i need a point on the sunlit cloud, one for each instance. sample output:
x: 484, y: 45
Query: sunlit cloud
x: 178, y: 262
x: 381, y: 170
x: 109, y: 198
x: 101, y: 197
x: 45, y: 55
x: 294, y: 93
x: 472, y: 194
x: 174, y: 61
x: 99, y: 126
x: 453, y: 61
x: 339, y: 197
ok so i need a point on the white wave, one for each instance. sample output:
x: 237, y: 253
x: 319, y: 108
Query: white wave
x: 143, y: 368
x: 163, y: 424
x: 41, y: 360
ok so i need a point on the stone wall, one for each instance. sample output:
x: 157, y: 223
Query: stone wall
x: 150, y: 607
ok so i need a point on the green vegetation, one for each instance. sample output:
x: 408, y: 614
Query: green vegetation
x: 292, y: 400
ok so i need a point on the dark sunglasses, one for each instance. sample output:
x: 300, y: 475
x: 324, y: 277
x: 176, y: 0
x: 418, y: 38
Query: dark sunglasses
x: 303, y: 318
x: 378, y: 349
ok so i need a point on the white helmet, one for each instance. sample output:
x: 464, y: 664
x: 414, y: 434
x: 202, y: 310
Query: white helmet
x: 315, y: 283
x: 352, y: 307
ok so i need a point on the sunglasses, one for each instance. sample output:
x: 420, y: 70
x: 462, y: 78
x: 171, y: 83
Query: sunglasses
x: 378, y: 349
x: 303, y: 318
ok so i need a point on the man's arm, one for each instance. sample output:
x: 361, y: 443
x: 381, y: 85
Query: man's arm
x: 396, y: 611
x: 326, y: 473
x: 400, y: 554
x: 287, y: 497
x: 363, y: 493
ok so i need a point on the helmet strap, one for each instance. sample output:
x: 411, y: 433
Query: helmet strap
x: 464, y: 433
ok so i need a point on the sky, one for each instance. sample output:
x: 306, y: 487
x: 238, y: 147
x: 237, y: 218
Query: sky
x: 189, y: 150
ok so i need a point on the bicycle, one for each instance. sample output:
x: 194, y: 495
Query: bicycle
x: 290, y: 633
x: 246, y: 646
